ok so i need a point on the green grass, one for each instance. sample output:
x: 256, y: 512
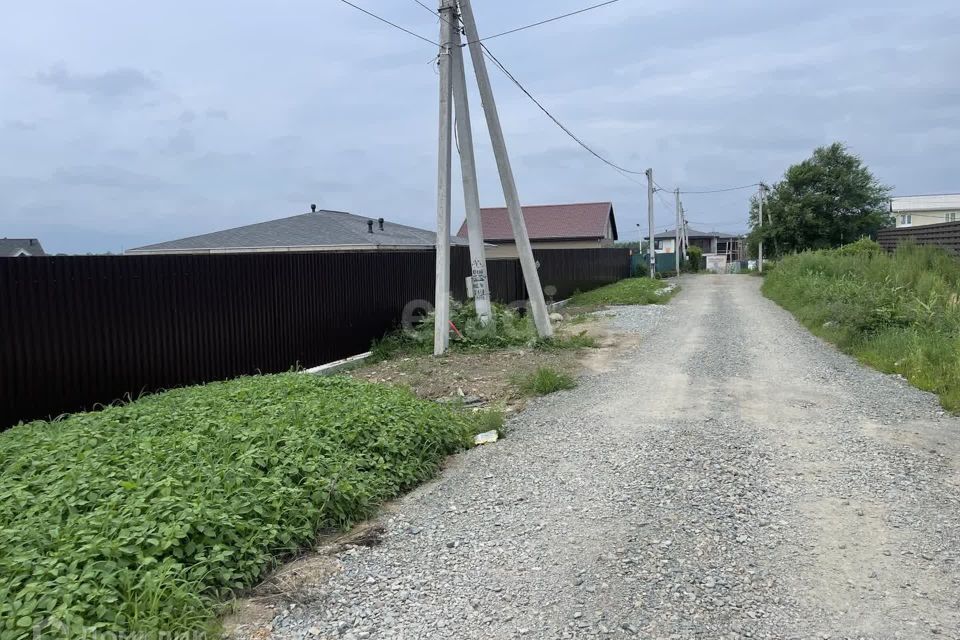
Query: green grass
x: 147, y: 517
x: 489, y: 420
x: 507, y: 329
x: 629, y: 291
x: 576, y: 341
x: 543, y: 381
x: 899, y: 313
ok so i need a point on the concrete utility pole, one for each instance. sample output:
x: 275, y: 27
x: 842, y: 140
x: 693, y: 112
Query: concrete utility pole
x: 760, y: 247
x: 471, y: 194
x: 650, y: 243
x: 530, y: 276
x: 676, y: 235
x: 441, y: 327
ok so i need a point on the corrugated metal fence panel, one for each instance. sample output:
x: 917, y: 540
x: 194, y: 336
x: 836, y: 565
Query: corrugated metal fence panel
x: 946, y: 235
x: 81, y: 330
x: 564, y: 271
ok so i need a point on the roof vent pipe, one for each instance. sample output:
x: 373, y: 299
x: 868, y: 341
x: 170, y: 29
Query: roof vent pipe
x: 381, y: 223
x: 369, y: 226
x: 313, y: 208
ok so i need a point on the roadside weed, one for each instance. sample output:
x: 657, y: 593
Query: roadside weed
x: 544, y: 381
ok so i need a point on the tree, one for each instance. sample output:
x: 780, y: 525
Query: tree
x: 825, y: 201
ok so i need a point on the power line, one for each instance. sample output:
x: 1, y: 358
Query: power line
x: 556, y: 121
x: 392, y: 24
x: 435, y: 14
x: 527, y: 26
x: 718, y: 224
x: 627, y: 173
x: 746, y: 186
x: 542, y: 22
x: 662, y: 199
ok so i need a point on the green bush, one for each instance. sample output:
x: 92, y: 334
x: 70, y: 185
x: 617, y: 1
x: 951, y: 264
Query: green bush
x: 543, y: 381
x: 694, y: 259
x: 897, y: 312
x: 628, y: 291
x: 142, y: 518
x: 863, y: 246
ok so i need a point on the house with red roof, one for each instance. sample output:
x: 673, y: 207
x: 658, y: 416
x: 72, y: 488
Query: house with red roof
x: 554, y: 226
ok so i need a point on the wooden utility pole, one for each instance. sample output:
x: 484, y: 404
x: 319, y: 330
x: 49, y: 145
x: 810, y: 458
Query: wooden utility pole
x: 471, y: 194
x: 441, y: 327
x: 530, y: 276
x: 651, y: 243
x: 676, y: 235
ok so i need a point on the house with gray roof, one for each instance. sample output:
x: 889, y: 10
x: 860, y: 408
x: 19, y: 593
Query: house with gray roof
x: 315, y: 231
x: 710, y: 242
x: 16, y: 247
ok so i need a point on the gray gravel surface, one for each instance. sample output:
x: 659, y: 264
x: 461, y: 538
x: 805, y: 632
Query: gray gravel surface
x: 731, y: 477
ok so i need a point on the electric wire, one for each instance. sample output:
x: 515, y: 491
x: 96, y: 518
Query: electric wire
x: 556, y: 121
x: 627, y: 173
x: 548, y: 20
x: 622, y: 170
x: 746, y: 186
x: 527, y: 26
x: 392, y: 24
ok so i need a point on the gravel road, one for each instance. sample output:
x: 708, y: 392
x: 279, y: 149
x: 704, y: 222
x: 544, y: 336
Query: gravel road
x: 731, y: 477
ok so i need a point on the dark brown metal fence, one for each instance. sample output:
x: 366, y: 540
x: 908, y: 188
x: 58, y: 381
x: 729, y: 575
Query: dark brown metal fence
x: 946, y: 235
x: 80, y: 330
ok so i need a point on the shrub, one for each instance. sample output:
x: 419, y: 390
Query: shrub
x: 897, y: 312
x: 543, y: 381
x: 863, y: 246
x: 140, y: 518
x: 694, y: 259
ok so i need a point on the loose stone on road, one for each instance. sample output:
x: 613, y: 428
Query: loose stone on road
x: 731, y: 477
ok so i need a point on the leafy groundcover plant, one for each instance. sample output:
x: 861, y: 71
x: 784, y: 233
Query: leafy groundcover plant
x: 139, y: 520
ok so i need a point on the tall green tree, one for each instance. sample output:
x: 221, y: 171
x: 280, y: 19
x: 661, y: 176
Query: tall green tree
x: 827, y: 200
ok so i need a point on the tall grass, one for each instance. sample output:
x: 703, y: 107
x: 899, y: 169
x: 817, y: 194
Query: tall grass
x: 899, y: 313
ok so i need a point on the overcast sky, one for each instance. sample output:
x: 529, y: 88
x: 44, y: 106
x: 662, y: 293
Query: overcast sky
x: 126, y: 123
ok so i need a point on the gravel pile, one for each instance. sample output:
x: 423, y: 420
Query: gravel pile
x: 733, y: 477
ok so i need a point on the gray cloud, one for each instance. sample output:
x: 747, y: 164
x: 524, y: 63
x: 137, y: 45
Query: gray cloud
x: 183, y: 141
x: 106, y: 177
x: 115, y: 83
x: 249, y: 123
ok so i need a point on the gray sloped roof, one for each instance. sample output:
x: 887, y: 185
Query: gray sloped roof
x: 306, y: 231
x: 693, y: 233
x: 10, y: 247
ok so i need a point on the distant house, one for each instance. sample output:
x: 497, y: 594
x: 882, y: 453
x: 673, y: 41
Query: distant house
x: 553, y: 226
x: 315, y: 231
x: 16, y: 247
x: 917, y: 211
x: 711, y: 242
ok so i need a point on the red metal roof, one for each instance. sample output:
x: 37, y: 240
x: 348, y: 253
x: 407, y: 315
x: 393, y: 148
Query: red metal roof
x: 549, y: 222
